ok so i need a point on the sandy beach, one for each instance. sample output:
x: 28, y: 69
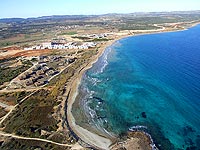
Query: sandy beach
x: 89, y: 137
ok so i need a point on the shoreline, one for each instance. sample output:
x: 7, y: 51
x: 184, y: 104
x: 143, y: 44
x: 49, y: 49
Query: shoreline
x: 100, y: 142
x: 85, y: 135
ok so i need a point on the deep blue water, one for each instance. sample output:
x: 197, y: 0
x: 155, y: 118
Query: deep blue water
x: 149, y: 80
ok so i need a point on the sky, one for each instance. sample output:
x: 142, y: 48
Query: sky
x: 36, y: 8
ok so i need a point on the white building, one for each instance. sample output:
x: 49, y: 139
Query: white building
x: 70, y: 45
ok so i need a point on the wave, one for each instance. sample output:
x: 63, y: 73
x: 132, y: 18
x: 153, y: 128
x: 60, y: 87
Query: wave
x: 137, y: 128
x: 91, y: 113
x: 107, y: 52
x: 93, y: 80
x: 103, y: 61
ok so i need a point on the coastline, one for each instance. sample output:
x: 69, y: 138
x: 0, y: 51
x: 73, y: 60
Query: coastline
x: 88, y: 137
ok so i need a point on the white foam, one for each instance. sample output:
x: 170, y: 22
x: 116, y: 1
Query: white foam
x: 104, y: 60
x: 136, y: 128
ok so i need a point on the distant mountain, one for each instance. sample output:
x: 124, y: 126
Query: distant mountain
x: 82, y: 17
x: 10, y: 20
x: 54, y: 17
x: 66, y: 16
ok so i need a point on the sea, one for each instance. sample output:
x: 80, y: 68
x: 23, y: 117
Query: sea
x: 150, y: 83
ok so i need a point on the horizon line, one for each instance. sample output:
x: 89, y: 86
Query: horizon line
x: 99, y: 14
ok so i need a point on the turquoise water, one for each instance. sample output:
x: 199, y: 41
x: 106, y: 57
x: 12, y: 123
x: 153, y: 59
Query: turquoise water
x: 152, y: 81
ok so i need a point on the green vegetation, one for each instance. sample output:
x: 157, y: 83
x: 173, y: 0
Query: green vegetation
x: 34, y: 59
x: 13, y: 97
x: 60, y: 81
x: 20, y: 40
x: 81, y: 37
x: 2, y: 112
x: 19, y: 144
x: 30, y: 30
x: 99, y: 40
x: 4, y: 44
x: 32, y: 116
x: 68, y: 33
x: 7, y: 74
x: 147, y: 21
x: 27, y: 63
x: 35, y: 114
x: 138, y: 27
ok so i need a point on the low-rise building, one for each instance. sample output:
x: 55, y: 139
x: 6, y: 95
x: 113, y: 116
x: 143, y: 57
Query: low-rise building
x: 39, y: 83
x: 34, y: 78
x: 36, y: 67
x: 39, y: 72
x: 71, y: 60
x: 45, y: 68
x: 50, y: 73
x: 46, y: 45
x: 28, y: 82
x: 23, y: 77
x: 57, y: 45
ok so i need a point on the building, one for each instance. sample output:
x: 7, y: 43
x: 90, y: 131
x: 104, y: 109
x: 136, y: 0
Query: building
x: 36, y: 67
x: 50, y: 73
x: 23, y: 77
x: 39, y: 72
x: 39, y: 83
x: 47, y: 45
x: 28, y: 82
x: 62, y: 45
x: 71, y: 60
x: 45, y: 68
x: 34, y: 78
